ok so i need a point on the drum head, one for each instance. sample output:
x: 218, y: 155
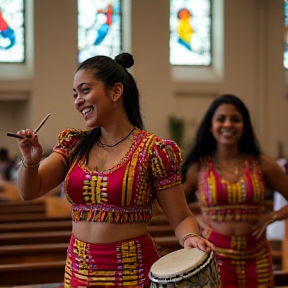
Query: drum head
x: 178, y: 263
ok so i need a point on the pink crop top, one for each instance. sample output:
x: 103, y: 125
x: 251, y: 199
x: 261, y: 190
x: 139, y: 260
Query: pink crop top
x: 222, y: 200
x: 125, y: 192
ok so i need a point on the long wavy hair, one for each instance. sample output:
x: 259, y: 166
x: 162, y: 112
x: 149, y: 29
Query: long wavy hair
x: 110, y: 72
x: 205, y: 143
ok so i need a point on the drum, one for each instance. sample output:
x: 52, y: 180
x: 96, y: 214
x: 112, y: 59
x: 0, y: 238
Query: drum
x: 185, y: 268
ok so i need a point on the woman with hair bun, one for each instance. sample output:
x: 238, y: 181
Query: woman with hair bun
x: 228, y: 172
x: 113, y: 171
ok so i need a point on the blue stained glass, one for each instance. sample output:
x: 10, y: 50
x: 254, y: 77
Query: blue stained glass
x: 285, y: 58
x: 12, y: 32
x: 190, y: 32
x: 99, y: 28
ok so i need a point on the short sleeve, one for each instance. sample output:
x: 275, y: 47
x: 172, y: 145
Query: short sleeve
x: 166, y: 161
x: 67, y: 141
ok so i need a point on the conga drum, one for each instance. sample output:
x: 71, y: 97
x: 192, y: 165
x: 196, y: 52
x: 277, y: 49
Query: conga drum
x: 185, y: 268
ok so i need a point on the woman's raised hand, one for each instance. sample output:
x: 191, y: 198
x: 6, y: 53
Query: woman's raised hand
x: 30, y: 147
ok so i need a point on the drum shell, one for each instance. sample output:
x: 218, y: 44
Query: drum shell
x: 205, y: 276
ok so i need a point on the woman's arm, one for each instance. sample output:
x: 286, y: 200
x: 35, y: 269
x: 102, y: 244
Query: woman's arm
x: 35, y: 182
x: 173, y: 203
x: 276, y: 179
x: 191, y: 180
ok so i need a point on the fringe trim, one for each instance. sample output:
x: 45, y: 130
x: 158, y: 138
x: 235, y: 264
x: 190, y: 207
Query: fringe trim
x: 110, y: 214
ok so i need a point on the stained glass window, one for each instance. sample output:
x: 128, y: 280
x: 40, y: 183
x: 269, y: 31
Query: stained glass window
x: 99, y: 28
x: 190, y: 32
x: 12, y: 36
x: 286, y: 34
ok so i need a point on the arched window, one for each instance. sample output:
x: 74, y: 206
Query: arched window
x: 12, y: 31
x: 99, y: 28
x: 190, y: 32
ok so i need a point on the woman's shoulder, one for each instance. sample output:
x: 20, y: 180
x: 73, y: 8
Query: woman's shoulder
x: 72, y: 133
x: 160, y: 147
x: 69, y: 137
x: 160, y: 142
x: 267, y: 163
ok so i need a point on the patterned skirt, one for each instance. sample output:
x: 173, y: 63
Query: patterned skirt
x: 243, y: 261
x: 119, y: 264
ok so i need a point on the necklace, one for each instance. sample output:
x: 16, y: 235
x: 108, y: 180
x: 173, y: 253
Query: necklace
x: 236, y: 170
x: 110, y: 146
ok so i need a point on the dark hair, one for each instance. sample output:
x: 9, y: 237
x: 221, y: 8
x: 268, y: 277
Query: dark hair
x: 110, y: 72
x: 205, y: 142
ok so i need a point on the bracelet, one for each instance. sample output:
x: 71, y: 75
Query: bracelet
x: 275, y: 217
x: 188, y: 235
x: 29, y: 166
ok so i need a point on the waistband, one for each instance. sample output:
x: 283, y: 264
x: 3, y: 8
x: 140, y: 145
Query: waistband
x: 238, y: 247
x: 144, y: 240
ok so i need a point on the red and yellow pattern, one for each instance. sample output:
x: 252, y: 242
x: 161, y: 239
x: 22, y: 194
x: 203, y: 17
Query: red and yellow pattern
x: 243, y: 260
x: 121, y: 264
x: 125, y: 192
x: 222, y: 200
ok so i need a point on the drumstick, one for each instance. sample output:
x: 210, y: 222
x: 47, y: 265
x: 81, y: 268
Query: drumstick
x: 41, y: 124
x: 10, y: 134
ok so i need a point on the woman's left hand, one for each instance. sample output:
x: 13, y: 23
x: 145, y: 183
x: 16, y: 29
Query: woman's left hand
x: 198, y: 242
x: 259, y: 228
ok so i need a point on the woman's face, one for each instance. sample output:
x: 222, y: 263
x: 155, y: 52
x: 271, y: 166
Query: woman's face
x: 91, y: 99
x: 227, y: 125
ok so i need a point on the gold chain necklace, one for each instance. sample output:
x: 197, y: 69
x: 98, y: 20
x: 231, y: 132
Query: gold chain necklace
x: 110, y: 146
x: 236, y: 169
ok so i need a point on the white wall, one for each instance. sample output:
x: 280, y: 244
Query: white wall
x: 248, y: 53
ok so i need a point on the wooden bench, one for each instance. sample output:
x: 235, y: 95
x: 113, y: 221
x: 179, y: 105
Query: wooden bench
x: 32, y: 253
x: 32, y: 217
x: 280, y: 278
x: 22, y: 238
x: 160, y: 230
x: 31, y: 273
x: 167, y: 244
x: 51, y: 225
x: 23, y: 209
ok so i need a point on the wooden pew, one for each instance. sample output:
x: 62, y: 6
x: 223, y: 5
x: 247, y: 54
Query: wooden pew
x: 31, y: 273
x: 11, y: 208
x: 276, y: 253
x: 32, y: 253
x: 23, y: 238
x: 51, y: 225
x: 167, y: 244
x: 32, y: 217
x: 14, y: 203
x: 160, y: 230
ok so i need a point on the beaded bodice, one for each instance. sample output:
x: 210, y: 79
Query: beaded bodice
x: 125, y: 192
x: 222, y: 200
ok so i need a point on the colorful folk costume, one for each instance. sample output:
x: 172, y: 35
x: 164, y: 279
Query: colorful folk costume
x: 243, y: 261
x: 122, y: 194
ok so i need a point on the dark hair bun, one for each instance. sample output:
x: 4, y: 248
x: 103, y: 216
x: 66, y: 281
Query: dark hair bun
x: 125, y: 59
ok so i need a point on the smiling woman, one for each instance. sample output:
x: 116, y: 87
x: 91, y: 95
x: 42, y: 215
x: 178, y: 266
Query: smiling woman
x: 228, y: 172
x: 112, y: 171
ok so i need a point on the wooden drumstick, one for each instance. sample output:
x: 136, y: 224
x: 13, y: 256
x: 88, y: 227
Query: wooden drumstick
x: 10, y: 134
x: 41, y: 124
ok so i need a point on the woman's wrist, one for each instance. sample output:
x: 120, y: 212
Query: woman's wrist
x: 274, y: 217
x: 186, y: 236
x: 24, y: 164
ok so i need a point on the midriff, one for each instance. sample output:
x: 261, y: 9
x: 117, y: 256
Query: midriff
x: 237, y: 228
x: 103, y: 232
